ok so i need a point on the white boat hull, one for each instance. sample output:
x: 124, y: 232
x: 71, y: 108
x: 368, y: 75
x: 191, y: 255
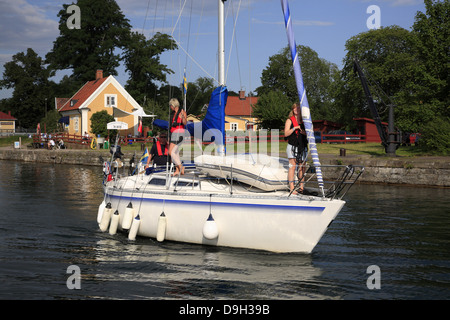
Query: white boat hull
x: 272, y: 222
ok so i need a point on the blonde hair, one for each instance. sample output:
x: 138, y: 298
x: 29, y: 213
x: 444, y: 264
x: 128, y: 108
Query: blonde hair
x: 295, y: 105
x: 174, y: 103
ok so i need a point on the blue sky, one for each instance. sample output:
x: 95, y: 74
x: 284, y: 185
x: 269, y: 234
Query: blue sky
x: 323, y: 25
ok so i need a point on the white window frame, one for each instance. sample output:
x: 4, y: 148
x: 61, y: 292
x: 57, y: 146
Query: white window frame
x: 234, y: 126
x: 108, y: 103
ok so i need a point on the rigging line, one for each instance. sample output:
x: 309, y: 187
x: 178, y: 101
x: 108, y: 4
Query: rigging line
x: 154, y: 19
x: 235, y: 39
x: 189, y: 34
x: 192, y: 58
x: 178, y: 19
x: 146, y: 15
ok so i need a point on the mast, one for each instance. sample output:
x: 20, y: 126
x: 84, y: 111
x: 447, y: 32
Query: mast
x: 221, y: 50
x: 306, y: 115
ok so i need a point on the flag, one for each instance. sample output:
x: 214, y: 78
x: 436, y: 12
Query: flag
x: 145, y: 156
x: 184, y: 83
x: 140, y: 126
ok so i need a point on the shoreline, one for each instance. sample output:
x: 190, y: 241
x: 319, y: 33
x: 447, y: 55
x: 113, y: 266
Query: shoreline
x: 427, y: 171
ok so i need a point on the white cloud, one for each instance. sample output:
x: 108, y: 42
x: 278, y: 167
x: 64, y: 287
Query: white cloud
x: 23, y: 26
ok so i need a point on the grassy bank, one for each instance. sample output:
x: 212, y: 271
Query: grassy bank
x: 372, y: 149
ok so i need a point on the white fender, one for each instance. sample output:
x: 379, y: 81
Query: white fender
x: 210, y: 229
x: 162, y: 223
x: 106, y: 217
x: 134, y: 228
x: 128, y: 217
x: 114, y: 223
x: 101, y: 208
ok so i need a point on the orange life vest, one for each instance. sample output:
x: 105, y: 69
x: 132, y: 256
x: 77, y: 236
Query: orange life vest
x: 158, y: 148
x: 177, y: 124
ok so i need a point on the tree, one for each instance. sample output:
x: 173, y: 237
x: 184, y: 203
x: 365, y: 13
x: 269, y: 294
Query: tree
x: 99, y: 121
x: 272, y: 110
x: 199, y: 94
x: 104, y: 29
x: 431, y: 30
x: 318, y: 77
x: 28, y: 76
x: 142, y: 62
x: 391, y: 64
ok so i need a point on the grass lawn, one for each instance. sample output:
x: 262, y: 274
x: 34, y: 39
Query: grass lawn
x: 373, y: 149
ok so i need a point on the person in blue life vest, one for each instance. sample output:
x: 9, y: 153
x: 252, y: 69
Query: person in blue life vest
x: 177, y: 127
x: 159, y: 151
x: 297, y: 148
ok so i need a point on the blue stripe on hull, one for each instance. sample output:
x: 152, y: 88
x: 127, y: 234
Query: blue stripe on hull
x: 226, y: 204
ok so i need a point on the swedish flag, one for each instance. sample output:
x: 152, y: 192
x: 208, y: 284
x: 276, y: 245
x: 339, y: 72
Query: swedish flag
x: 145, y: 156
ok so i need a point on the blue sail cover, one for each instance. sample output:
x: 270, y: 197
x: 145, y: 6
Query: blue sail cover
x: 214, y: 119
x: 213, y: 123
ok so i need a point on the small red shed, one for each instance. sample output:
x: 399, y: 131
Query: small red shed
x: 368, y: 128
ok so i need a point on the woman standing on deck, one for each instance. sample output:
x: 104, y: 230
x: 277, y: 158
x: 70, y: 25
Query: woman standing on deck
x: 297, y: 148
x: 177, y: 126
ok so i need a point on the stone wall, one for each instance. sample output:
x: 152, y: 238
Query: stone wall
x: 419, y: 171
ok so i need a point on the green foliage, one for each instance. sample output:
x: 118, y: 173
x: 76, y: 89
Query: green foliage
x: 32, y: 95
x: 388, y: 57
x: 436, y: 136
x: 272, y: 109
x: 99, y: 121
x: 319, y: 76
x: 104, y: 29
x: 142, y: 61
x: 50, y: 121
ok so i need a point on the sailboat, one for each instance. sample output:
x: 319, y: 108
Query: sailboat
x: 240, y: 201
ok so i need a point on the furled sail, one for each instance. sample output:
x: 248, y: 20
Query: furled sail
x: 306, y: 114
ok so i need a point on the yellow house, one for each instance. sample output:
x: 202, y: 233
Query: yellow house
x: 7, y: 122
x: 238, y: 113
x: 103, y: 93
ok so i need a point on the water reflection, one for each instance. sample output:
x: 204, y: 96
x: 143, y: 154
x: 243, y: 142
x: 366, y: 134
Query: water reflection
x: 190, y: 271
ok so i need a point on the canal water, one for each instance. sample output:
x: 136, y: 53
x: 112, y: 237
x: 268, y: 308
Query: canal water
x: 388, y: 243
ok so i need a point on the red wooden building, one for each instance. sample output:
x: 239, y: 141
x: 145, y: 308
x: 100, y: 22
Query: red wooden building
x: 368, y: 128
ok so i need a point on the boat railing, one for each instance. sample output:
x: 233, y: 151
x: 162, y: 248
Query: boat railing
x: 344, y: 177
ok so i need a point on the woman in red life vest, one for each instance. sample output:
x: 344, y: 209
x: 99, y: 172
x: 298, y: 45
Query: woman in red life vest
x: 179, y: 121
x: 297, y: 148
x: 159, y: 151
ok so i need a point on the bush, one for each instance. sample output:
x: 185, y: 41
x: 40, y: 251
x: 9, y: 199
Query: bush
x: 436, y: 136
x: 99, y: 120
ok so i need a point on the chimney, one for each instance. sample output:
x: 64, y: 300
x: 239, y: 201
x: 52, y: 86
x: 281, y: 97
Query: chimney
x: 241, y: 95
x: 99, y: 74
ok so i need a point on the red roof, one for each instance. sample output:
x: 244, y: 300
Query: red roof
x: 60, y: 102
x: 6, y: 116
x: 240, y: 107
x: 82, y: 95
